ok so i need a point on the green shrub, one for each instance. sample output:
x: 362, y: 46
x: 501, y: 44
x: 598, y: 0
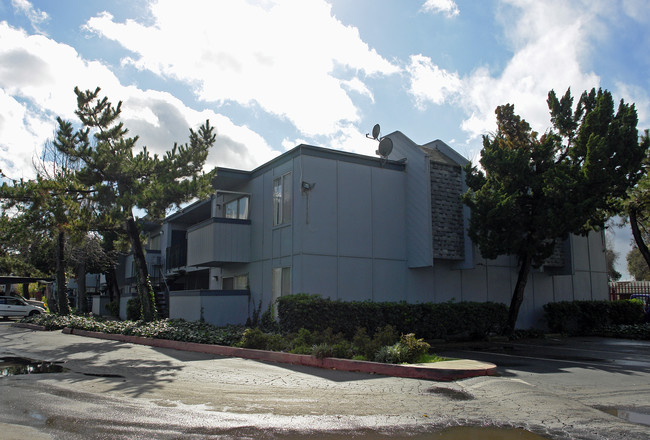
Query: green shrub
x: 635, y: 331
x: 133, y: 309
x: 113, y: 308
x: 414, y: 347
x: 589, y: 317
x: 431, y: 321
x: 407, y: 350
x: 256, y: 338
x: 322, y: 350
x: 268, y: 323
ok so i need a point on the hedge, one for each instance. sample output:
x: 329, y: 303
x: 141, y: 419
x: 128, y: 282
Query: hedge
x: 464, y: 320
x: 589, y: 317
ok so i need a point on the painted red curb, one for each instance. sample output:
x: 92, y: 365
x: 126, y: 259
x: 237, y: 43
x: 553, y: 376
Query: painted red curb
x: 437, y: 372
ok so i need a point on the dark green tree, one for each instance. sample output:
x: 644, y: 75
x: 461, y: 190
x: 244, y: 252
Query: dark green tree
x: 637, y: 208
x: 49, y: 208
x: 534, y: 191
x: 636, y: 265
x: 25, y: 250
x: 610, y: 258
x: 123, y: 180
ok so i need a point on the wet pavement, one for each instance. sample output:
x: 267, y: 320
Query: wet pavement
x: 115, y: 390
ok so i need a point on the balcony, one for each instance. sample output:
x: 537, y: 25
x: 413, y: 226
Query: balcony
x: 176, y: 256
x: 219, y: 241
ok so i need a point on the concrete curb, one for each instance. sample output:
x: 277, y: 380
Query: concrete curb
x: 438, y: 371
x: 29, y: 326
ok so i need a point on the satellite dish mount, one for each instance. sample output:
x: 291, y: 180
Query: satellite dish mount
x: 385, y: 144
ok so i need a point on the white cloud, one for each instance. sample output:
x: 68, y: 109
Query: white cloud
x: 429, y: 83
x: 549, y: 39
x: 37, y: 78
x: 35, y: 16
x: 280, y: 56
x: 447, y: 7
x: 21, y: 131
x: 637, y: 10
x: 641, y: 99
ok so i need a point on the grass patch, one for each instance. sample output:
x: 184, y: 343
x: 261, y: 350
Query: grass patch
x: 429, y: 358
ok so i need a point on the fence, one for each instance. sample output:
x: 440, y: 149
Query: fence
x: 623, y: 289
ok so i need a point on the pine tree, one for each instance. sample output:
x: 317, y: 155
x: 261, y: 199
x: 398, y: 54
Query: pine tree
x: 535, y: 190
x: 123, y: 180
x: 637, y: 207
x: 49, y: 207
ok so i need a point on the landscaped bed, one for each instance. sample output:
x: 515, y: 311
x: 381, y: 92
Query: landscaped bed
x: 385, y: 346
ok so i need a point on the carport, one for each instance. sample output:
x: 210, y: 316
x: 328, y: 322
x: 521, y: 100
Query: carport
x: 9, y: 280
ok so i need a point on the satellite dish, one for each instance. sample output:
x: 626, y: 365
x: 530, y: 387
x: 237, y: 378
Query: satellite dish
x: 385, y: 147
x: 375, y: 131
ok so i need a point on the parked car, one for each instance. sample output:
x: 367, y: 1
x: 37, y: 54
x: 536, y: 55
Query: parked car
x: 34, y: 302
x: 15, y: 306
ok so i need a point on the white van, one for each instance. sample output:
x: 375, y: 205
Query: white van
x: 14, y: 306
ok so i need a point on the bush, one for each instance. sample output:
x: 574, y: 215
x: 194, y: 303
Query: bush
x: 407, y: 350
x: 257, y: 339
x: 133, y: 309
x: 465, y: 320
x: 113, y: 308
x: 589, y: 317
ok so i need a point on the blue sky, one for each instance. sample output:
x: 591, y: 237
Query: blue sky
x: 273, y: 74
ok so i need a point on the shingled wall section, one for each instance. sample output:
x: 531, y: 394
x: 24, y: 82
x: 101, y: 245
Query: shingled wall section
x: 447, y: 211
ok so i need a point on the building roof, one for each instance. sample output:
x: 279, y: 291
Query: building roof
x: 229, y: 178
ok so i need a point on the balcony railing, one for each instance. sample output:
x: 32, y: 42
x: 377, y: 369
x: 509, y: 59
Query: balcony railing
x: 219, y: 241
x: 176, y: 256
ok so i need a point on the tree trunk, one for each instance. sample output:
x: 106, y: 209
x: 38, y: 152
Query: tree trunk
x: 638, y: 238
x: 518, y: 294
x: 112, y: 285
x: 63, y: 306
x: 82, y: 298
x: 145, y: 290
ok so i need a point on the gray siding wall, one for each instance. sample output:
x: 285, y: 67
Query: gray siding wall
x: 350, y: 230
x: 365, y: 233
x: 419, y: 238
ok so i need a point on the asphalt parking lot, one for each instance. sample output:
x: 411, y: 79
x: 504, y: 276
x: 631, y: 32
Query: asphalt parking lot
x: 578, y: 388
x: 554, y: 354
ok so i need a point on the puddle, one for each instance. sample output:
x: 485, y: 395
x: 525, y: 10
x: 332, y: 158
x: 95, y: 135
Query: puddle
x: 630, y: 416
x: 451, y: 394
x: 455, y: 433
x: 468, y: 432
x: 104, y: 375
x: 11, y: 366
x: 482, y: 433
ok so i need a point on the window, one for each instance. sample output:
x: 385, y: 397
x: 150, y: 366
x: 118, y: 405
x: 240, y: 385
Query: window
x: 239, y: 282
x: 237, y: 208
x: 154, y: 242
x: 281, y: 282
x: 282, y: 200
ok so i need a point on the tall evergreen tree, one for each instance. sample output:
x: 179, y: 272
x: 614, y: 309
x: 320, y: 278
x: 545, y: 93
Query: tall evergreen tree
x: 123, y: 180
x: 48, y: 205
x: 535, y: 190
x: 636, y: 265
x: 637, y: 208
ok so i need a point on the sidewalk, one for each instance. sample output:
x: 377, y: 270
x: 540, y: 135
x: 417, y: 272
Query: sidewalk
x: 438, y: 371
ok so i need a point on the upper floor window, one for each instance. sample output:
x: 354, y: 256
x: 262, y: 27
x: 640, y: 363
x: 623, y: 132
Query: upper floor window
x: 282, y: 200
x: 154, y: 242
x: 237, y: 208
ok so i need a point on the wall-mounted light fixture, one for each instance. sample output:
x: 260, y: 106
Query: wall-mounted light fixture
x: 307, y: 186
